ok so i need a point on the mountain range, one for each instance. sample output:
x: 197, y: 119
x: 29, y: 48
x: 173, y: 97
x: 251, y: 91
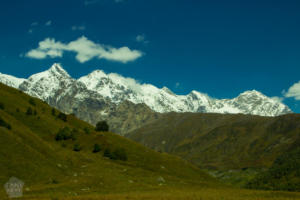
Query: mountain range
x: 69, y: 167
x: 233, y: 139
x: 100, y: 96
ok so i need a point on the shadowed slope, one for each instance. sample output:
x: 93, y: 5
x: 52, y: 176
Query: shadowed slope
x: 219, y: 141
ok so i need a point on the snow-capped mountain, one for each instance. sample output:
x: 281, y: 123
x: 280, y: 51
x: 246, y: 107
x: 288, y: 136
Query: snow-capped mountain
x: 119, y: 89
x: 11, y: 80
x: 44, y: 85
x: 56, y: 84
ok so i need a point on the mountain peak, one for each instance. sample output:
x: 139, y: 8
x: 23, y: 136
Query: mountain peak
x: 252, y: 93
x: 168, y: 90
x: 97, y: 74
x: 57, y: 69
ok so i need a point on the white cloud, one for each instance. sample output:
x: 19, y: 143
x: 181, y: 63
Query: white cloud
x: 294, y: 91
x: 177, y: 85
x: 34, y: 23
x: 85, y: 50
x: 78, y: 28
x: 48, y: 23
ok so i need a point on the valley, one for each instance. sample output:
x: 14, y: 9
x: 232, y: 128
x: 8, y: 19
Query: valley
x: 149, y: 100
x: 179, y: 155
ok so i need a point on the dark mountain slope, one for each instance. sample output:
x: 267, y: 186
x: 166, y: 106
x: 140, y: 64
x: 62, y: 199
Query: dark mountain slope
x: 222, y: 142
x: 284, y: 174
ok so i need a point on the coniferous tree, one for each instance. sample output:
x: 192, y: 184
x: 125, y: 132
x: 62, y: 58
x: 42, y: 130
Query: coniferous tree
x: 102, y: 126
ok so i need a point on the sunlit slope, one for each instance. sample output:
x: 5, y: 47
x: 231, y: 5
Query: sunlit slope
x: 30, y: 152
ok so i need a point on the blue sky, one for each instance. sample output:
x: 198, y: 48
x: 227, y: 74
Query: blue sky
x: 221, y: 48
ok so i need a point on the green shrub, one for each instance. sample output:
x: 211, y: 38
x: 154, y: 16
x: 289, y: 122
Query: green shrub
x: 86, y: 130
x: 66, y: 134
x: 107, y: 153
x: 77, y: 147
x: 53, y: 112
x: 5, y: 124
x: 102, y: 126
x: 29, y: 111
x: 97, y: 148
x: 55, y: 181
x: 59, y: 136
x: 1, y: 106
x: 17, y: 110
x: 32, y: 102
x: 119, y: 154
x: 62, y: 116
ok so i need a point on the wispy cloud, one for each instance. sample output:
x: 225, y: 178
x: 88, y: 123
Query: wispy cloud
x: 48, y: 23
x: 293, y: 91
x: 78, y: 28
x: 141, y: 38
x: 85, y: 50
x: 34, y: 24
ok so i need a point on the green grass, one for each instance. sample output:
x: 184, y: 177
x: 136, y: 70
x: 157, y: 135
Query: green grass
x: 192, y: 193
x: 30, y: 152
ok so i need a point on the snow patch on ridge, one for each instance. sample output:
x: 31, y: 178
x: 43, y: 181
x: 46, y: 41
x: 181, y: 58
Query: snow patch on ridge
x: 118, y: 89
x: 11, y: 80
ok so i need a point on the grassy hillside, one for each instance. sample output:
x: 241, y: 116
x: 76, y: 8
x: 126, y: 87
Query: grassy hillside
x: 233, y: 147
x: 30, y: 152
